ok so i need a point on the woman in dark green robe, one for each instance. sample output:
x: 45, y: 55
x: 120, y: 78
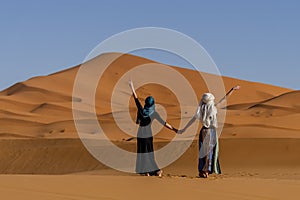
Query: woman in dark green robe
x: 145, y: 162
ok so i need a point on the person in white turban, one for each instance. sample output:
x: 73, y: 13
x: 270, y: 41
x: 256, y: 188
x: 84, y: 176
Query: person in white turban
x: 208, y: 161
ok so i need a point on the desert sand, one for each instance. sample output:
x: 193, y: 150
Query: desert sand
x: 42, y: 156
x: 86, y: 187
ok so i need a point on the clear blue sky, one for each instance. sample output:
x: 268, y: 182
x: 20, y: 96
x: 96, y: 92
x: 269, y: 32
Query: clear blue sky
x: 257, y: 40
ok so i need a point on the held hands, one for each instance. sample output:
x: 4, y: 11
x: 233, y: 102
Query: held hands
x: 177, y: 131
x: 180, y: 131
x: 174, y: 129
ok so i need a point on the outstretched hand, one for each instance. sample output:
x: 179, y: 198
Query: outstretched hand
x: 236, y: 87
x: 132, y: 88
x: 130, y: 83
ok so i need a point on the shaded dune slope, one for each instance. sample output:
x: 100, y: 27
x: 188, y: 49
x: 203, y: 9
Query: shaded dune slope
x: 47, y: 100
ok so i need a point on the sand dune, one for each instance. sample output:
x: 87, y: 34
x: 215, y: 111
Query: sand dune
x: 275, y: 117
x: 48, y: 99
x: 259, y: 143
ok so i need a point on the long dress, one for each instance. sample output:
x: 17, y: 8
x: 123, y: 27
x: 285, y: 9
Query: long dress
x: 208, y: 151
x: 145, y: 161
x: 208, y: 139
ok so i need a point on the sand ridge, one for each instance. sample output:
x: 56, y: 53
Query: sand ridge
x: 44, y: 104
x: 45, y: 159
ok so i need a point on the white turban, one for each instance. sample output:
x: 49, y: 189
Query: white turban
x: 208, y: 98
x: 207, y: 112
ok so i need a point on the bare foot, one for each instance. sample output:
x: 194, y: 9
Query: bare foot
x: 159, y: 173
x: 206, y: 174
x: 203, y: 174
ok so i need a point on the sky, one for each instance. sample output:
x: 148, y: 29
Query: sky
x: 255, y: 40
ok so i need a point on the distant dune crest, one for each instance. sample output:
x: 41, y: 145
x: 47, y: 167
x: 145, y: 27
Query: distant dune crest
x: 41, y: 107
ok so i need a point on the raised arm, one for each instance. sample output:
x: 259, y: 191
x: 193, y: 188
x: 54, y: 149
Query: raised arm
x: 227, y: 95
x: 136, y: 100
x: 132, y: 89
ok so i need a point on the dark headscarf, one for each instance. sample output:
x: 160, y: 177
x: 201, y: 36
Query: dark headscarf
x: 149, y: 109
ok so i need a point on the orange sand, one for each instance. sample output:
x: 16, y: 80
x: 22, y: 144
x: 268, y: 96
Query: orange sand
x: 259, y: 152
